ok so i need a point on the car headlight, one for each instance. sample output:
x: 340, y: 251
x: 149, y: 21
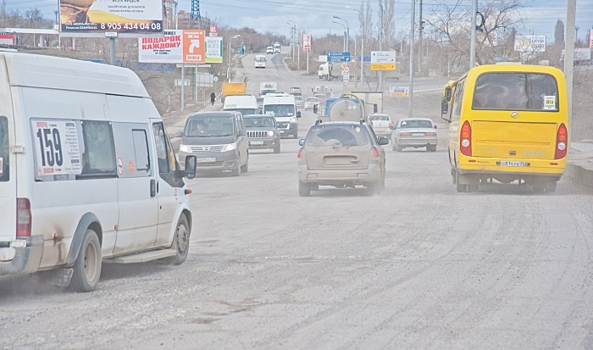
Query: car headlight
x: 229, y: 147
x: 271, y: 133
x: 293, y: 120
x: 185, y: 149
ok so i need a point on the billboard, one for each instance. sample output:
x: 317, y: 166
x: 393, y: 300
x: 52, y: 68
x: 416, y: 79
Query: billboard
x: 166, y: 49
x: 591, y: 38
x: 180, y: 46
x: 307, y: 42
x: 530, y: 43
x: 213, y: 49
x: 96, y: 17
x: 193, y: 46
x: 382, y: 60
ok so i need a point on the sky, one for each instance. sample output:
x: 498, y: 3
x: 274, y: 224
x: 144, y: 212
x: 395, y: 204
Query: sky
x: 315, y: 17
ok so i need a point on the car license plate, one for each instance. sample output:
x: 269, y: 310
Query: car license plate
x: 281, y: 131
x: 257, y: 142
x: 206, y: 160
x: 511, y: 163
x: 417, y: 134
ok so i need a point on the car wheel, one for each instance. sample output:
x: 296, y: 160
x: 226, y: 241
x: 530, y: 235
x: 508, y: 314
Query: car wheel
x: 393, y: 148
x: 400, y: 148
x: 428, y: 148
x: 433, y: 148
x: 277, y: 148
x: 180, y: 242
x: 87, y: 267
x: 314, y: 187
x: 460, y: 187
x: 245, y: 167
x: 235, y: 172
x: 473, y: 188
x: 551, y: 186
x: 375, y: 188
x: 304, y: 189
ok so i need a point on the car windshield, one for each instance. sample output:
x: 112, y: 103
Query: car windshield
x: 259, y: 122
x: 346, y: 135
x: 279, y: 110
x: 209, y: 127
x: 243, y: 111
x: 379, y: 117
x: 312, y: 99
x: 415, y: 124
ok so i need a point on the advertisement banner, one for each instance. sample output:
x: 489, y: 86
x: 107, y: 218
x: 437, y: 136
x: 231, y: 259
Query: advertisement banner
x: 591, y: 38
x: 307, y: 42
x: 530, y: 43
x: 193, y: 46
x: 213, y: 49
x: 95, y: 17
x: 168, y: 49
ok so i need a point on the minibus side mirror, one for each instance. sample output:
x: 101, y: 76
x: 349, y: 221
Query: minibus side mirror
x: 190, y: 167
x: 298, y: 114
x: 315, y: 108
x: 444, y: 106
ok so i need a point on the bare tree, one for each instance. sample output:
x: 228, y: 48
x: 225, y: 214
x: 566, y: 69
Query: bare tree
x: 451, y: 24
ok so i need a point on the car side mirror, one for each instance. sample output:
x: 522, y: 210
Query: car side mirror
x: 298, y: 114
x: 435, y: 126
x: 178, y: 134
x: 301, y: 142
x: 383, y: 141
x: 190, y: 167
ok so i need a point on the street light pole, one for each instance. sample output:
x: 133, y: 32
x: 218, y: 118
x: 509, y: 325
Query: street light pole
x: 344, y: 33
x: 230, y: 71
x: 347, y: 33
x: 361, y: 44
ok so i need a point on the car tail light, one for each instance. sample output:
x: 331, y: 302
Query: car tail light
x: 561, y: 140
x: 390, y: 124
x: 465, y: 141
x: 301, y: 154
x: 23, y: 217
x: 431, y: 133
x: 375, y: 153
x: 404, y: 133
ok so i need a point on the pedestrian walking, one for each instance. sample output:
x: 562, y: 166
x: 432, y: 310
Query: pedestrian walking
x: 212, y: 97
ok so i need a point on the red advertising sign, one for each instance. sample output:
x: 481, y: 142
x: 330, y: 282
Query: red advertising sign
x: 213, y: 30
x: 307, y: 42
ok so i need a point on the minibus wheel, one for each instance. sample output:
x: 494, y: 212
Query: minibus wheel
x: 181, y: 241
x: 87, y: 267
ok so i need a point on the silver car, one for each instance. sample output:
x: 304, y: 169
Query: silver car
x: 381, y: 123
x: 414, y: 132
x: 341, y: 154
x: 218, y: 140
x: 299, y: 102
x: 262, y: 132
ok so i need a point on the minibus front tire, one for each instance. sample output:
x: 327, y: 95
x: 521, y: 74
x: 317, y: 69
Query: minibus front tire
x: 181, y: 241
x: 87, y: 267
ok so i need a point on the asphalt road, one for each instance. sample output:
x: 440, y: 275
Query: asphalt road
x: 419, y: 267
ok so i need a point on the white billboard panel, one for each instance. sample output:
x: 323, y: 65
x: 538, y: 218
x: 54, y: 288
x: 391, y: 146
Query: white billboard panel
x: 166, y: 49
x: 95, y: 17
x: 530, y: 43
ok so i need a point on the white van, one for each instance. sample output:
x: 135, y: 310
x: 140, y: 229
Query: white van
x: 260, y: 61
x: 246, y: 104
x: 283, y: 107
x: 87, y: 172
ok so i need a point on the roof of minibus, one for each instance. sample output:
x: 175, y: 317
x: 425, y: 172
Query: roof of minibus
x: 515, y: 67
x: 69, y: 74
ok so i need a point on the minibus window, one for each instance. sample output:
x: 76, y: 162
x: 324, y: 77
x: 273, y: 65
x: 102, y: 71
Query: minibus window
x: 99, y: 155
x: 161, y: 148
x: 4, y: 169
x: 516, y: 91
x: 457, y: 100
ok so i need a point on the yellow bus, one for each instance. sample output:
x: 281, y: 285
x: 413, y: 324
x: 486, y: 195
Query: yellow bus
x: 507, y: 123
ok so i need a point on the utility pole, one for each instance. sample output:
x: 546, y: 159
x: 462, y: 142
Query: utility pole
x: 472, y: 45
x: 381, y: 14
x: 411, y: 87
x: 420, y: 39
x: 569, y: 58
